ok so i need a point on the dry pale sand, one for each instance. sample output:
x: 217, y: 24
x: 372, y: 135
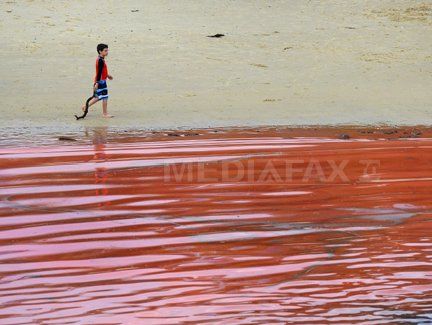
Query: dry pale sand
x: 281, y: 62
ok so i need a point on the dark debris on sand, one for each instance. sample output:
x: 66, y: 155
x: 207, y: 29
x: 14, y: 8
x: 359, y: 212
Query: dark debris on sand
x: 344, y: 136
x: 216, y: 35
x: 64, y: 138
x: 415, y: 133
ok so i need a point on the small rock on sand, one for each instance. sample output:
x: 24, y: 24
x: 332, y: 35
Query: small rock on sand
x: 64, y: 138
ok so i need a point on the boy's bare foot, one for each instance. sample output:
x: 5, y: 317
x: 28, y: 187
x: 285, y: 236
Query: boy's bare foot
x: 107, y: 115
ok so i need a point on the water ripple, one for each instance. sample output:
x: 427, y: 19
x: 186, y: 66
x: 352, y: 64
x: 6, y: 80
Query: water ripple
x: 217, y: 229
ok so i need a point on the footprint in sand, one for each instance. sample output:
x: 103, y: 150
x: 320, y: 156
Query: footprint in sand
x: 269, y: 100
x: 259, y: 65
x: 420, y: 13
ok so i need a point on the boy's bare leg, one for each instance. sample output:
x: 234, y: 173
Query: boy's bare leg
x: 93, y: 101
x: 105, y: 108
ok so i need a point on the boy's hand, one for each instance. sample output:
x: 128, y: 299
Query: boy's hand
x: 95, y: 87
x: 110, y: 77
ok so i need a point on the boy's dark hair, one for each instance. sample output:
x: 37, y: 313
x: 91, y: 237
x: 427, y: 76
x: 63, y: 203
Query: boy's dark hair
x: 101, y: 47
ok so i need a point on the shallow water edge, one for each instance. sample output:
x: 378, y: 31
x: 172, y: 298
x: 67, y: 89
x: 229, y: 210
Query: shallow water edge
x: 237, y: 226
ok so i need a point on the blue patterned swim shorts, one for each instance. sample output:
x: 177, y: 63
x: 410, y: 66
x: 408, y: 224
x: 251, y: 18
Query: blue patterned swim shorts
x: 102, y: 91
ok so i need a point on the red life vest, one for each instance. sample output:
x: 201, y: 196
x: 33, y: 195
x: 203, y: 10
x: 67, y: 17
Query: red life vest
x: 101, y: 69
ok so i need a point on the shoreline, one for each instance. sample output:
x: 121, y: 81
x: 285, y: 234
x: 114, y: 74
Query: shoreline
x: 30, y: 137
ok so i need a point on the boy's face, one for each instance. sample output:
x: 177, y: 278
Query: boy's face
x: 104, y: 52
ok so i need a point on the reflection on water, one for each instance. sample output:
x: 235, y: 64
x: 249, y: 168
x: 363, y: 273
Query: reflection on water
x: 98, y: 234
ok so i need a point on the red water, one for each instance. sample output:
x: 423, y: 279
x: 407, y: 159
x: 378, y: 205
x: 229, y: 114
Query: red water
x: 232, y: 228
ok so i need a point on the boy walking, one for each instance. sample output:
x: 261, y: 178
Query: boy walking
x: 100, y: 85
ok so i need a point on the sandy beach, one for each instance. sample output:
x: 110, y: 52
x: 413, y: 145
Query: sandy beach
x: 279, y: 63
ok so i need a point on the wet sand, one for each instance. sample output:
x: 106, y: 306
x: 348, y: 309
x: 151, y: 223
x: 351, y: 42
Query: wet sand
x: 225, y: 226
x: 280, y: 63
